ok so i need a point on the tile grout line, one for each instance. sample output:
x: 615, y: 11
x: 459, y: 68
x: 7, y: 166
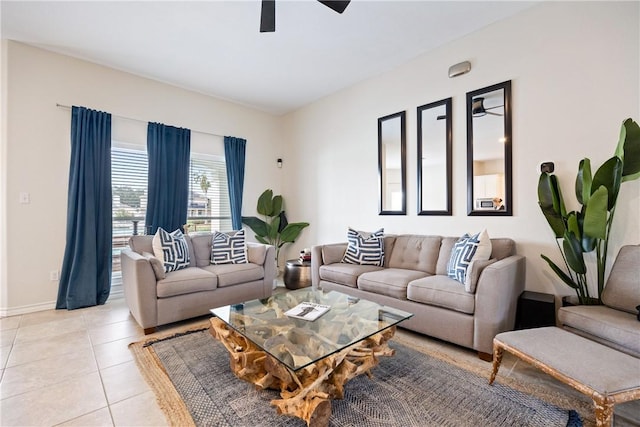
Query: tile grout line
x: 104, y: 390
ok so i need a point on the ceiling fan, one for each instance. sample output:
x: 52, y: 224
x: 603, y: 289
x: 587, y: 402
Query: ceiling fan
x: 268, y: 15
x: 478, y: 109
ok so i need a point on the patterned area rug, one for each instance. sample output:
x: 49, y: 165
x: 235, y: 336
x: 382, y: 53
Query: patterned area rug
x: 408, y: 389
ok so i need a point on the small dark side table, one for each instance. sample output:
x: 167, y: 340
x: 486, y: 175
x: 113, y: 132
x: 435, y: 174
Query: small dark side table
x: 297, y: 274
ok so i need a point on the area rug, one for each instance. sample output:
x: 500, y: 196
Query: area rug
x: 190, y: 375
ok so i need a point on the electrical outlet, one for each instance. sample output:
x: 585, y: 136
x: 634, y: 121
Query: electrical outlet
x: 53, y: 275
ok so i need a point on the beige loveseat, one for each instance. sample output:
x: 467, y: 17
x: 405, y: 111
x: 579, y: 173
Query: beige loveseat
x: 414, y: 278
x: 614, y: 323
x: 193, y: 291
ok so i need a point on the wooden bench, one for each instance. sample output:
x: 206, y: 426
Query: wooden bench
x: 606, y: 375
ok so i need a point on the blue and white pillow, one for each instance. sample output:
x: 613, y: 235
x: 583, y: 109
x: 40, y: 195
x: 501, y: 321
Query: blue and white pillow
x: 226, y: 249
x: 465, y: 250
x: 365, y: 248
x: 171, y: 249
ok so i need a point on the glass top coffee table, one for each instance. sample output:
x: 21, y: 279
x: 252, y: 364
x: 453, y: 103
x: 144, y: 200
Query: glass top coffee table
x: 307, y: 361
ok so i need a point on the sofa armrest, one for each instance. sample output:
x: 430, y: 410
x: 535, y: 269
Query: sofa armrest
x: 325, y: 254
x: 497, y: 293
x: 139, y: 283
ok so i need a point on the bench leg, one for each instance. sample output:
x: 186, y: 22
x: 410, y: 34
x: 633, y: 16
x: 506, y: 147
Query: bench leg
x: 497, y: 360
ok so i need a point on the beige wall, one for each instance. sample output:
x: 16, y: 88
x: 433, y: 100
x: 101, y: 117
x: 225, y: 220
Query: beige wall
x: 35, y: 152
x: 575, y: 73
x: 575, y: 76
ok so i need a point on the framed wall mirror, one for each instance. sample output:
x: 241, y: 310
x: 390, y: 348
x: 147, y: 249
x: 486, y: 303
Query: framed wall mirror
x: 489, y: 146
x: 434, y: 158
x: 392, y: 164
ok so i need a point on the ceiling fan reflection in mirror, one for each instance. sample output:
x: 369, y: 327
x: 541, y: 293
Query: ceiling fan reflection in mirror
x: 478, y: 109
x: 268, y: 14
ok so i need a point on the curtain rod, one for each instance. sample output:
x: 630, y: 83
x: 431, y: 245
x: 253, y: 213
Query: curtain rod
x: 143, y: 121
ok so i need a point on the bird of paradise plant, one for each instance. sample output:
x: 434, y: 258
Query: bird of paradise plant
x: 589, y: 229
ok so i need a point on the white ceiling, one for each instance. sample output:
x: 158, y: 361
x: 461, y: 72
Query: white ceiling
x: 215, y: 47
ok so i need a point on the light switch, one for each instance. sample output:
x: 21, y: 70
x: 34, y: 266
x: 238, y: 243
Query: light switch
x: 25, y: 198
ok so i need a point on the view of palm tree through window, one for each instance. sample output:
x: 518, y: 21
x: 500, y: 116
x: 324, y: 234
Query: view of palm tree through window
x: 208, y: 207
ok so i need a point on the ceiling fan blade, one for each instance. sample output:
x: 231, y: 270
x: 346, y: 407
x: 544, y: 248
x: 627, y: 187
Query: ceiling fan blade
x: 268, y: 16
x: 338, y: 6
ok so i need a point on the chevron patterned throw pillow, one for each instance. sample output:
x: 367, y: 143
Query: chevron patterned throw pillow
x: 365, y: 248
x: 226, y: 249
x: 467, y: 249
x: 171, y: 249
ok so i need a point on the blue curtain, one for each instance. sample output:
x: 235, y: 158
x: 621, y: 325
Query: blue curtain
x: 85, y: 279
x: 168, y: 149
x: 234, y: 153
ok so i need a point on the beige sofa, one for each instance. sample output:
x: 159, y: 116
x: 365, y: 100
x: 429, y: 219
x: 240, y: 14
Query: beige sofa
x: 414, y: 279
x: 614, y: 323
x: 193, y: 291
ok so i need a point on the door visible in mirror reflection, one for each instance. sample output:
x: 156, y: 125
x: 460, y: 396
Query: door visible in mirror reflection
x: 434, y: 158
x: 391, y: 164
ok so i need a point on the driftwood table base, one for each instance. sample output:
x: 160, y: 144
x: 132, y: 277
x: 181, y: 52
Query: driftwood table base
x: 307, y: 392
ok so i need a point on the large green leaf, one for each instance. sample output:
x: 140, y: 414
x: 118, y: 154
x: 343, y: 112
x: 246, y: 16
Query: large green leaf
x: 609, y: 175
x: 272, y: 230
x: 628, y: 149
x: 265, y: 203
x: 583, y: 181
x: 573, y: 224
x: 573, y: 253
x: 276, y: 207
x: 596, y: 214
x: 291, y: 232
x: 551, y: 203
x: 561, y: 274
x: 256, y: 224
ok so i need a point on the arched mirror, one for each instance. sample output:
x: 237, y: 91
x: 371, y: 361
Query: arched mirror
x: 489, y: 144
x: 434, y: 158
x: 391, y: 164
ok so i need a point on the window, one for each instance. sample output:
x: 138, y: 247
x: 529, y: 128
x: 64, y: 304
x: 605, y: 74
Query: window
x: 208, y: 207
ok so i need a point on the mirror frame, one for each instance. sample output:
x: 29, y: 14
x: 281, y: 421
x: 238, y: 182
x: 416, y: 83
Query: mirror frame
x: 508, y: 144
x: 448, y: 150
x: 403, y: 166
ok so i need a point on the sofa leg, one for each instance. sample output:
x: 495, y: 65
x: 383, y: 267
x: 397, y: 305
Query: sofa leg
x: 148, y: 331
x: 487, y: 357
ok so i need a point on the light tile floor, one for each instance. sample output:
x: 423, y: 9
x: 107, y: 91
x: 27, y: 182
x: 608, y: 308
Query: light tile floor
x: 73, y: 368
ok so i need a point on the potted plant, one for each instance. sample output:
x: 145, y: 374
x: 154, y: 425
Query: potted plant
x: 274, y: 228
x: 588, y: 229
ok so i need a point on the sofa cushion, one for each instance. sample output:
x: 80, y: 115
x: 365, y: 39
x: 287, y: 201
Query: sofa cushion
x: 345, y: 274
x: 391, y: 282
x: 473, y: 273
x: 502, y: 248
x: 233, y: 274
x: 608, y: 325
x: 156, y: 265
x: 441, y: 291
x: 201, y: 243
x: 364, y: 248
x: 171, y: 249
x: 256, y: 253
x: 622, y: 290
x: 415, y: 253
x: 467, y: 249
x: 186, y: 281
x: 141, y: 244
x: 228, y: 249
x: 446, y: 244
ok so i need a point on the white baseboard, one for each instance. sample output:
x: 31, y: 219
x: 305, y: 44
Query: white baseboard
x: 32, y: 308
x: 26, y: 309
